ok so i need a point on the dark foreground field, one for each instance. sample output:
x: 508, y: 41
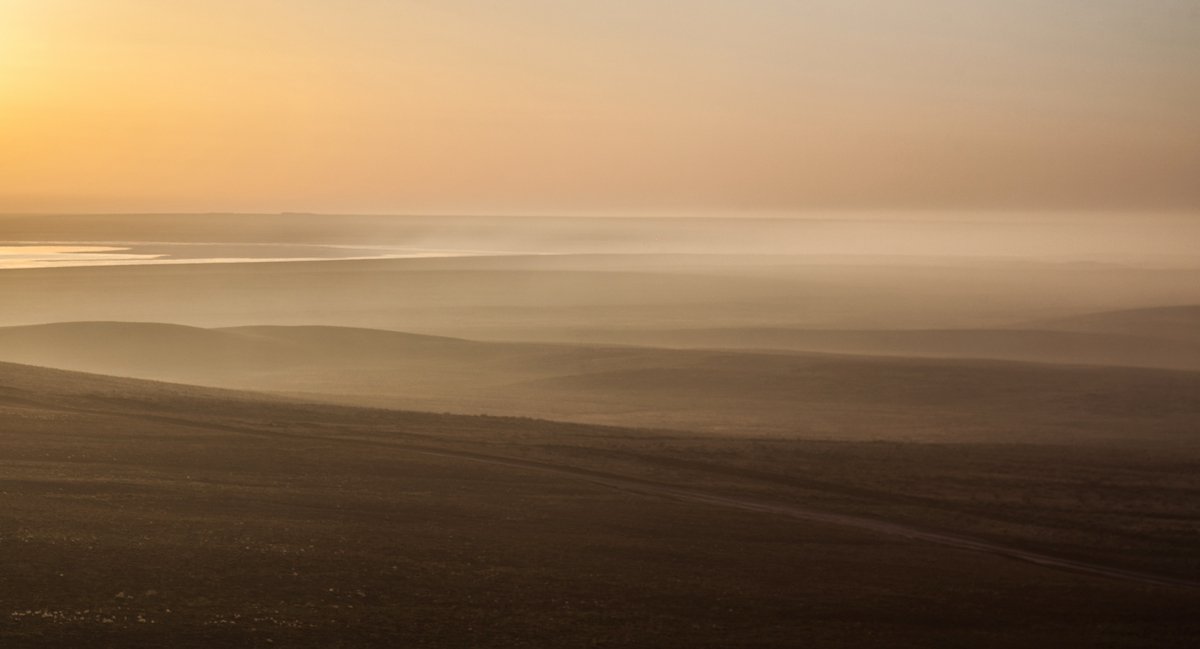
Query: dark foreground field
x: 137, y: 514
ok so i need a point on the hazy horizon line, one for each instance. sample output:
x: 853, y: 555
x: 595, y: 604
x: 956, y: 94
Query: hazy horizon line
x: 837, y: 214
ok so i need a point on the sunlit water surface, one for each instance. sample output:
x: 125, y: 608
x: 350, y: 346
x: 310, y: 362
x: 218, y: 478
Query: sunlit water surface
x: 15, y: 255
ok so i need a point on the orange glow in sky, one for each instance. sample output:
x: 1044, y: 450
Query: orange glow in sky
x: 597, y: 107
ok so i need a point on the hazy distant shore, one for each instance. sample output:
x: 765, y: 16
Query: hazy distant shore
x: 61, y: 254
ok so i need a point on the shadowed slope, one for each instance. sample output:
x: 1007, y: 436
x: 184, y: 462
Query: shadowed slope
x: 1039, y: 346
x: 176, y: 352
x: 138, y: 349
x: 808, y: 395
x: 359, y: 344
x: 1170, y: 322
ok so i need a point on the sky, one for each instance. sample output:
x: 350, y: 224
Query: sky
x: 598, y: 107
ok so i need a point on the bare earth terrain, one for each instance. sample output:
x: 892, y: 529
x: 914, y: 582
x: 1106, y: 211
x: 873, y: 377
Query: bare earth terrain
x: 308, y: 525
x: 736, y: 393
x: 597, y: 433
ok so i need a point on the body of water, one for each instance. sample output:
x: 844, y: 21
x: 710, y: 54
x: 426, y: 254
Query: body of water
x: 15, y: 255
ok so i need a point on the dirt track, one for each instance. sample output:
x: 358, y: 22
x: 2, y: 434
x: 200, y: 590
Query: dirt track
x: 649, y: 488
x: 846, y: 520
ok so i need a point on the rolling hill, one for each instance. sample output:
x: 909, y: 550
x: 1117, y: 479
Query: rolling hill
x: 1130, y: 347
x: 1181, y: 323
x: 164, y: 514
x: 192, y: 354
x: 726, y: 392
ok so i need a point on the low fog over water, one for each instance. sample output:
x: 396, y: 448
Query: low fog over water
x: 546, y: 278
x: 692, y: 323
x: 1042, y: 235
